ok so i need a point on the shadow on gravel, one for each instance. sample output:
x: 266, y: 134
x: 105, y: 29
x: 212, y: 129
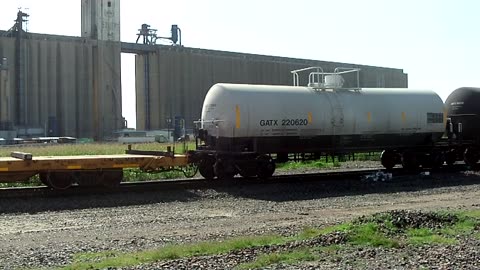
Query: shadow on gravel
x: 310, y: 190
x: 94, y: 200
x: 294, y: 189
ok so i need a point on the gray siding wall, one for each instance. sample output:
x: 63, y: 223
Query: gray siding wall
x: 180, y: 77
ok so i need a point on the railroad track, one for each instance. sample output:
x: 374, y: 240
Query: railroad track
x: 336, y: 177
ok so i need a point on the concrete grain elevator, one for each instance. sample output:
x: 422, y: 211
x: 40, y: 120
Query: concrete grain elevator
x: 101, y: 22
x: 53, y: 85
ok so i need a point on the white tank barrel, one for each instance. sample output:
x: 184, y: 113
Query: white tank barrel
x: 268, y: 117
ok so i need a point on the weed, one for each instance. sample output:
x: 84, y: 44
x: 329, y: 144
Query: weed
x: 172, y: 252
x: 274, y: 258
x: 425, y: 236
x: 369, y: 235
x: 378, y: 230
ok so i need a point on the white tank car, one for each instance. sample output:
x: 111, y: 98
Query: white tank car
x: 275, y: 119
x: 241, y: 125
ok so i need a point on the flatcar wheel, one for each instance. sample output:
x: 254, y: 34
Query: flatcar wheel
x: 44, y: 179
x: 388, y: 159
x: 471, y: 156
x: 265, y: 167
x: 112, y: 178
x: 87, y: 178
x: 205, y: 168
x: 59, y: 180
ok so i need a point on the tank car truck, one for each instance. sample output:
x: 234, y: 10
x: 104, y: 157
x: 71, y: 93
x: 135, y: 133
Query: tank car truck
x: 244, y: 127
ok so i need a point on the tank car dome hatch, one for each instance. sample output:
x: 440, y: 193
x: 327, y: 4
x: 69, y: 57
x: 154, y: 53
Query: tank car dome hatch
x: 334, y: 81
x: 463, y: 109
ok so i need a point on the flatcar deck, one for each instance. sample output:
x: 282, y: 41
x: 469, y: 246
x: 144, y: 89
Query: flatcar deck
x: 90, y: 162
x: 60, y: 172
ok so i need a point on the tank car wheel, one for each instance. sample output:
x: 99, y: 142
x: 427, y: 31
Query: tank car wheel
x: 388, y: 159
x: 450, y: 157
x: 59, y: 180
x: 471, y: 156
x: 432, y: 160
x: 282, y: 157
x: 265, y: 167
x: 205, y: 167
x: 438, y: 160
x: 410, y: 161
x: 247, y: 172
x: 221, y: 171
x: 111, y: 178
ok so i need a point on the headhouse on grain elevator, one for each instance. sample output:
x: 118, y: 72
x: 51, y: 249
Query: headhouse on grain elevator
x: 101, y: 19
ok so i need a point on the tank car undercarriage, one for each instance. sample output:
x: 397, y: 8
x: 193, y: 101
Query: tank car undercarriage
x: 443, y: 152
x: 225, y: 165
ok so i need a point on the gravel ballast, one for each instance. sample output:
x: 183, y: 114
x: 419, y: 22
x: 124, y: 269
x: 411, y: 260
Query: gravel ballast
x: 33, y: 235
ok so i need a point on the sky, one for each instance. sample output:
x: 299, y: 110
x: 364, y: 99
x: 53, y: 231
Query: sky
x: 436, y: 42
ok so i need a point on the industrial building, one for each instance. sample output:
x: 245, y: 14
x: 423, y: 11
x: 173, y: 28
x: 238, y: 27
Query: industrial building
x: 71, y: 86
x: 64, y: 86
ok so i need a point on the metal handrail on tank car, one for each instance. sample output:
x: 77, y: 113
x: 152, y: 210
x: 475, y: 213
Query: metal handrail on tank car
x: 316, y: 79
x: 349, y: 70
x: 296, y: 79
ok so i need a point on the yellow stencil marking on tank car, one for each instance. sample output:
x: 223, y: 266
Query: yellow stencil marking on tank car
x: 74, y: 167
x: 404, y: 116
x: 237, y: 116
x: 310, y: 117
x: 5, y: 169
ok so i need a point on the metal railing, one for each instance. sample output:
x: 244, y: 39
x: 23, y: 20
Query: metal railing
x: 319, y: 79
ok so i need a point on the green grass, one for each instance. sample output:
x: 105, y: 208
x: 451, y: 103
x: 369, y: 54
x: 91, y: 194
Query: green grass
x: 94, y: 256
x: 309, y: 233
x: 375, y: 231
x: 326, y: 163
x: 100, y: 261
x: 373, y: 156
x: 466, y: 224
x: 130, y: 175
x: 32, y: 182
x: 369, y: 235
x: 275, y: 258
x: 88, y: 148
x: 425, y: 236
x: 470, y: 214
x: 310, y: 164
